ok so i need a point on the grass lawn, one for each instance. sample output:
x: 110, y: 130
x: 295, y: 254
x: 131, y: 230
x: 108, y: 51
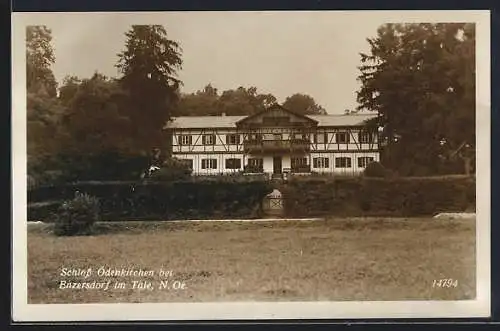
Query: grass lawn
x: 333, y: 260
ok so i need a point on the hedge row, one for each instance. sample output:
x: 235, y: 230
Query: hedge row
x: 179, y: 200
x: 373, y: 196
x: 303, y: 197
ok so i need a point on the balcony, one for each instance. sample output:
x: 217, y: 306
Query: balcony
x: 276, y: 146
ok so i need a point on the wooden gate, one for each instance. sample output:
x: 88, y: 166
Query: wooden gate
x: 273, y: 204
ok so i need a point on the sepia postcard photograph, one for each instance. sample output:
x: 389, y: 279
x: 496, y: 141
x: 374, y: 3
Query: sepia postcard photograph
x: 250, y: 165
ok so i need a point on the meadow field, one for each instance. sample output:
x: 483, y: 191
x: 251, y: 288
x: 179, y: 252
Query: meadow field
x: 332, y: 260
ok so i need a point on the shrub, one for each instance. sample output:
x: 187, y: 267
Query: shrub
x: 375, y: 169
x: 252, y: 169
x: 172, y: 169
x: 77, y: 216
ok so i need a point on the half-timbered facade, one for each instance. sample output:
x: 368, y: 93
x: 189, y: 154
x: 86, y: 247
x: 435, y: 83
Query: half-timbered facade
x: 274, y: 141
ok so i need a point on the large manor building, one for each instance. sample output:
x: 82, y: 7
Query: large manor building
x: 275, y: 141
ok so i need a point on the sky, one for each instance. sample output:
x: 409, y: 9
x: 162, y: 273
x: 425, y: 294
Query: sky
x: 281, y: 53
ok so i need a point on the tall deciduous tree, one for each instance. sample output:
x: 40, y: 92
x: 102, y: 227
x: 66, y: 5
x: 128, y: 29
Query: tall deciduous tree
x: 43, y: 109
x: 303, y: 104
x: 420, y: 79
x: 149, y: 66
x: 39, y: 58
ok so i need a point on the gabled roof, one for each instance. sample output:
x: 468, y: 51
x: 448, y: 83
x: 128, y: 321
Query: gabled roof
x: 201, y: 122
x: 272, y: 108
x: 343, y: 120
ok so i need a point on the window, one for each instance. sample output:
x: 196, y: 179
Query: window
x: 255, y: 136
x: 188, y: 163
x: 277, y: 136
x: 233, y: 163
x: 364, y: 161
x: 342, y: 138
x: 301, y: 136
x: 298, y: 161
x: 365, y: 137
x: 209, y: 164
x: 232, y: 139
x: 185, y: 139
x: 342, y: 162
x: 321, y: 162
x: 255, y: 162
x: 320, y: 138
x: 208, y: 139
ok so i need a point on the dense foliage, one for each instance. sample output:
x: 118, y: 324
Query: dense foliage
x: 172, y: 169
x: 241, y: 101
x: 420, y: 78
x: 100, y: 128
x: 376, y: 169
x: 193, y: 199
x: 363, y: 196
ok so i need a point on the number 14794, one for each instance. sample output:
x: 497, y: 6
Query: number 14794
x: 445, y: 282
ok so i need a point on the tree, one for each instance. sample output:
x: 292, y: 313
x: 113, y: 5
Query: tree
x: 240, y: 101
x: 200, y: 103
x: 96, y: 119
x: 39, y: 58
x: 149, y: 66
x: 43, y: 133
x: 244, y: 101
x: 98, y: 141
x: 420, y: 79
x: 43, y: 109
x: 303, y: 104
x: 68, y: 89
